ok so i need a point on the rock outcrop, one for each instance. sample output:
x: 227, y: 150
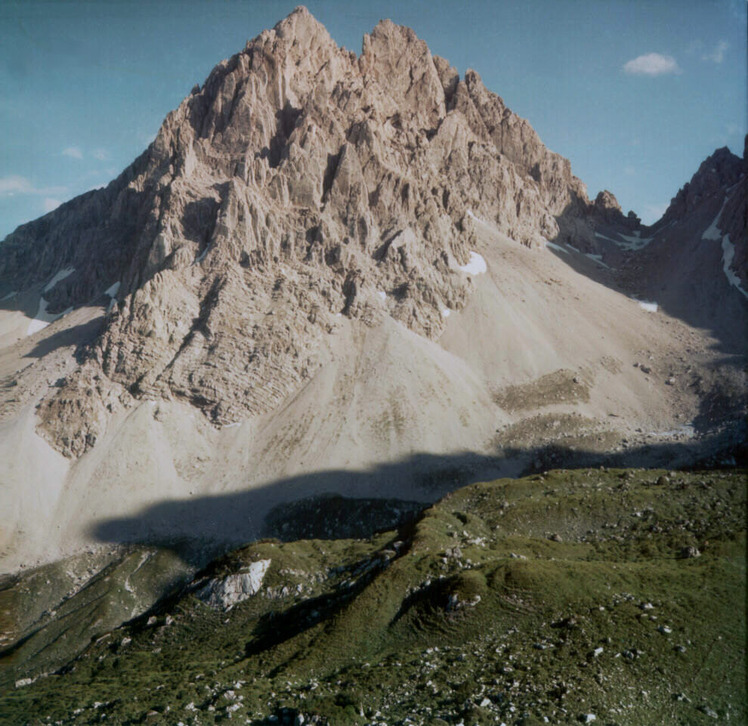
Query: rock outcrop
x: 224, y: 593
x: 720, y: 171
x: 298, y: 184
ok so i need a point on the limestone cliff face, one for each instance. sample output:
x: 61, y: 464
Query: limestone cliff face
x: 299, y: 183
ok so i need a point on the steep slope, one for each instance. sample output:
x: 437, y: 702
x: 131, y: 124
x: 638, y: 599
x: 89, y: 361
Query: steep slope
x: 301, y: 175
x: 696, y: 264
x: 326, y: 271
x: 594, y: 595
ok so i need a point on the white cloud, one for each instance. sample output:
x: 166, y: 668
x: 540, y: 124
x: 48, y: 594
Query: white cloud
x: 74, y: 152
x: 100, y: 154
x: 12, y: 185
x: 652, y: 64
x: 718, y: 54
x: 51, y: 204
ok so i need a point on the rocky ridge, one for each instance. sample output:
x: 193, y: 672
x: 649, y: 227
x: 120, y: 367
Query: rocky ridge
x: 352, y: 275
x: 699, y: 244
x: 300, y: 183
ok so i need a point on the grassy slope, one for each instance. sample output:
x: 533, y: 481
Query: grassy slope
x: 513, y: 601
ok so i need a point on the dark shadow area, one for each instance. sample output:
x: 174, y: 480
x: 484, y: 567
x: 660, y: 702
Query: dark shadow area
x: 206, y: 526
x: 199, y: 217
x: 678, y: 270
x: 333, y: 516
x: 80, y: 335
x: 286, y: 119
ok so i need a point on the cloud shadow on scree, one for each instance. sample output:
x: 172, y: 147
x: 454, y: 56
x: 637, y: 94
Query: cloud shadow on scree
x: 203, y: 527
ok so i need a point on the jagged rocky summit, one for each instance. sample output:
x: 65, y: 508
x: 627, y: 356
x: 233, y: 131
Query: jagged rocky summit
x: 361, y: 275
x: 299, y: 183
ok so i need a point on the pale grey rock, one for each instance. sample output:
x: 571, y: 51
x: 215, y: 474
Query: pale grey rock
x: 297, y: 184
x: 226, y: 592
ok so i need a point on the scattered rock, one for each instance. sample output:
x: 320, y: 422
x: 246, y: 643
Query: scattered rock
x: 707, y: 711
x: 689, y: 552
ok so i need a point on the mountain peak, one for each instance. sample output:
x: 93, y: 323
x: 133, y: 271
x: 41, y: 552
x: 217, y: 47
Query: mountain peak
x: 299, y: 23
x: 717, y: 172
x: 347, y: 254
x: 298, y: 179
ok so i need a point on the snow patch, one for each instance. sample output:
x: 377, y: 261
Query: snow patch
x: 42, y: 318
x: 201, y: 256
x: 9, y: 296
x: 382, y: 294
x: 602, y: 236
x: 475, y: 266
x: 712, y: 232
x: 446, y: 312
x: 650, y: 307
x: 597, y: 258
x: 61, y: 275
x: 728, y: 255
x: 556, y: 247
x: 632, y: 242
x: 113, y: 290
x: 635, y: 241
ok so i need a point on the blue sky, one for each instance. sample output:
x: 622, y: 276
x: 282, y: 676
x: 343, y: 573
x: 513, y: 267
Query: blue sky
x: 636, y: 93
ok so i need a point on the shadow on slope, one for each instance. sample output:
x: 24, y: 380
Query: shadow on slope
x: 679, y: 270
x: 79, y: 336
x: 203, y: 527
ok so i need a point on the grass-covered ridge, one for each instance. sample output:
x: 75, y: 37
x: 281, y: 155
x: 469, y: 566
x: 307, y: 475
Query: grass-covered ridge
x: 613, y: 594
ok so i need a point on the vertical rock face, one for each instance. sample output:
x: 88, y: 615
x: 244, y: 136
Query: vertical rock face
x: 300, y: 182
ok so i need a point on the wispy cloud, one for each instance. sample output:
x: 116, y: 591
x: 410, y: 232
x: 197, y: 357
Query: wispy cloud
x: 100, y: 154
x: 74, y: 152
x: 651, y: 64
x: 718, y: 54
x: 12, y: 185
